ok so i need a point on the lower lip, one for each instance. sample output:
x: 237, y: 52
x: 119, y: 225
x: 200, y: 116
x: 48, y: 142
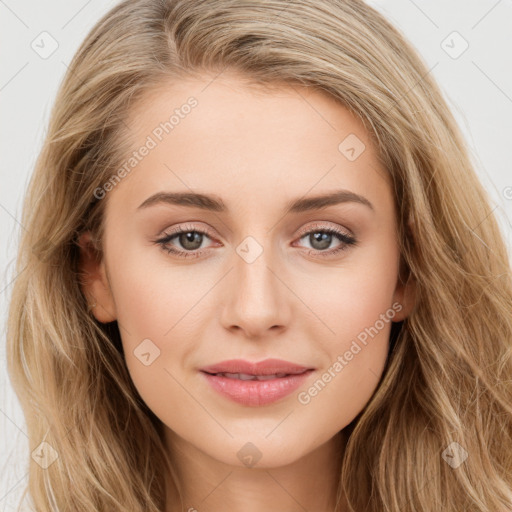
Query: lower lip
x: 256, y: 392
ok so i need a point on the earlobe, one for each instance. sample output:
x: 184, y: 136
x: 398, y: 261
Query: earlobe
x: 94, y: 282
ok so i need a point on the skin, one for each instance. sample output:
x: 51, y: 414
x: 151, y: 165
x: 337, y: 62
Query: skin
x: 257, y: 150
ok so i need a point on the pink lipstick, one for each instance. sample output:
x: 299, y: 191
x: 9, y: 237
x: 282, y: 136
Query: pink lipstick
x: 255, y: 384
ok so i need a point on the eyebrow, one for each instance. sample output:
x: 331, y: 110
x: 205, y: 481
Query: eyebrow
x: 216, y: 204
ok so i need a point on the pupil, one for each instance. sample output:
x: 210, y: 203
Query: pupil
x: 323, y: 238
x: 188, y: 242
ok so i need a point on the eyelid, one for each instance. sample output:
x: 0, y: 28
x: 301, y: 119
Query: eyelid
x: 187, y: 227
x: 320, y: 225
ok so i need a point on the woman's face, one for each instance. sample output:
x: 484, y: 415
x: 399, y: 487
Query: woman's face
x: 250, y: 277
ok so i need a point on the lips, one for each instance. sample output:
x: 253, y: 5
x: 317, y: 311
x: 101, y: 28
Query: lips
x: 246, y: 376
x: 255, y: 384
x: 263, y: 368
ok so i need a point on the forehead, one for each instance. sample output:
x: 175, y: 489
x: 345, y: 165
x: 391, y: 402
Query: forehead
x: 244, y: 142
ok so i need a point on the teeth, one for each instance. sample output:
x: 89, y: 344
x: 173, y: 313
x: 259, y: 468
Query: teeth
x: 241, y: 376
x: 245, y: 376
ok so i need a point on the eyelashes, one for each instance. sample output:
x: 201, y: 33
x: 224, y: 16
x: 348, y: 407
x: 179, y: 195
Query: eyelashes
x: 346, y: 240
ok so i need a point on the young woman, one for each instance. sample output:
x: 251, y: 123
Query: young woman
x: 259, y: 273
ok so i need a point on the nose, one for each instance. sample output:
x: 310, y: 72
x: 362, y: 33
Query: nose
x: 256, y: 300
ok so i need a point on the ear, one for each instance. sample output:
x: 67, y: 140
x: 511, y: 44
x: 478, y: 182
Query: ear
x: 405, y: 291
x: 405, y: 294
x: 94, y: 282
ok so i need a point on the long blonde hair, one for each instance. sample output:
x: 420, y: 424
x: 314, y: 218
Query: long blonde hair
x: 449, y: 373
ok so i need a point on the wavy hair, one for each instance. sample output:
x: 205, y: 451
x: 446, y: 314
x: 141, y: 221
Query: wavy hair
x: 449, y: 372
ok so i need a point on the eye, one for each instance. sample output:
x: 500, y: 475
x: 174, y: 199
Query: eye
x: 191, y: 239
x: 321, y: 237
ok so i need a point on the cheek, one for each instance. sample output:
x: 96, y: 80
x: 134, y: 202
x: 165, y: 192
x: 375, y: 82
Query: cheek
x: 151, y: 294
x: 359, y: 291
x: 158, y: 316
x: 353, y: 362
x: 357, y: 307
x: 152, y: 315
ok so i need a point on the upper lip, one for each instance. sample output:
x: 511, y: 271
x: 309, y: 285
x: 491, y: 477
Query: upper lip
x: 266, y: 367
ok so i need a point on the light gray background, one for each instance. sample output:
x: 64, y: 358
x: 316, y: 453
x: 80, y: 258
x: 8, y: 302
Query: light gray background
x: 477, y: 85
